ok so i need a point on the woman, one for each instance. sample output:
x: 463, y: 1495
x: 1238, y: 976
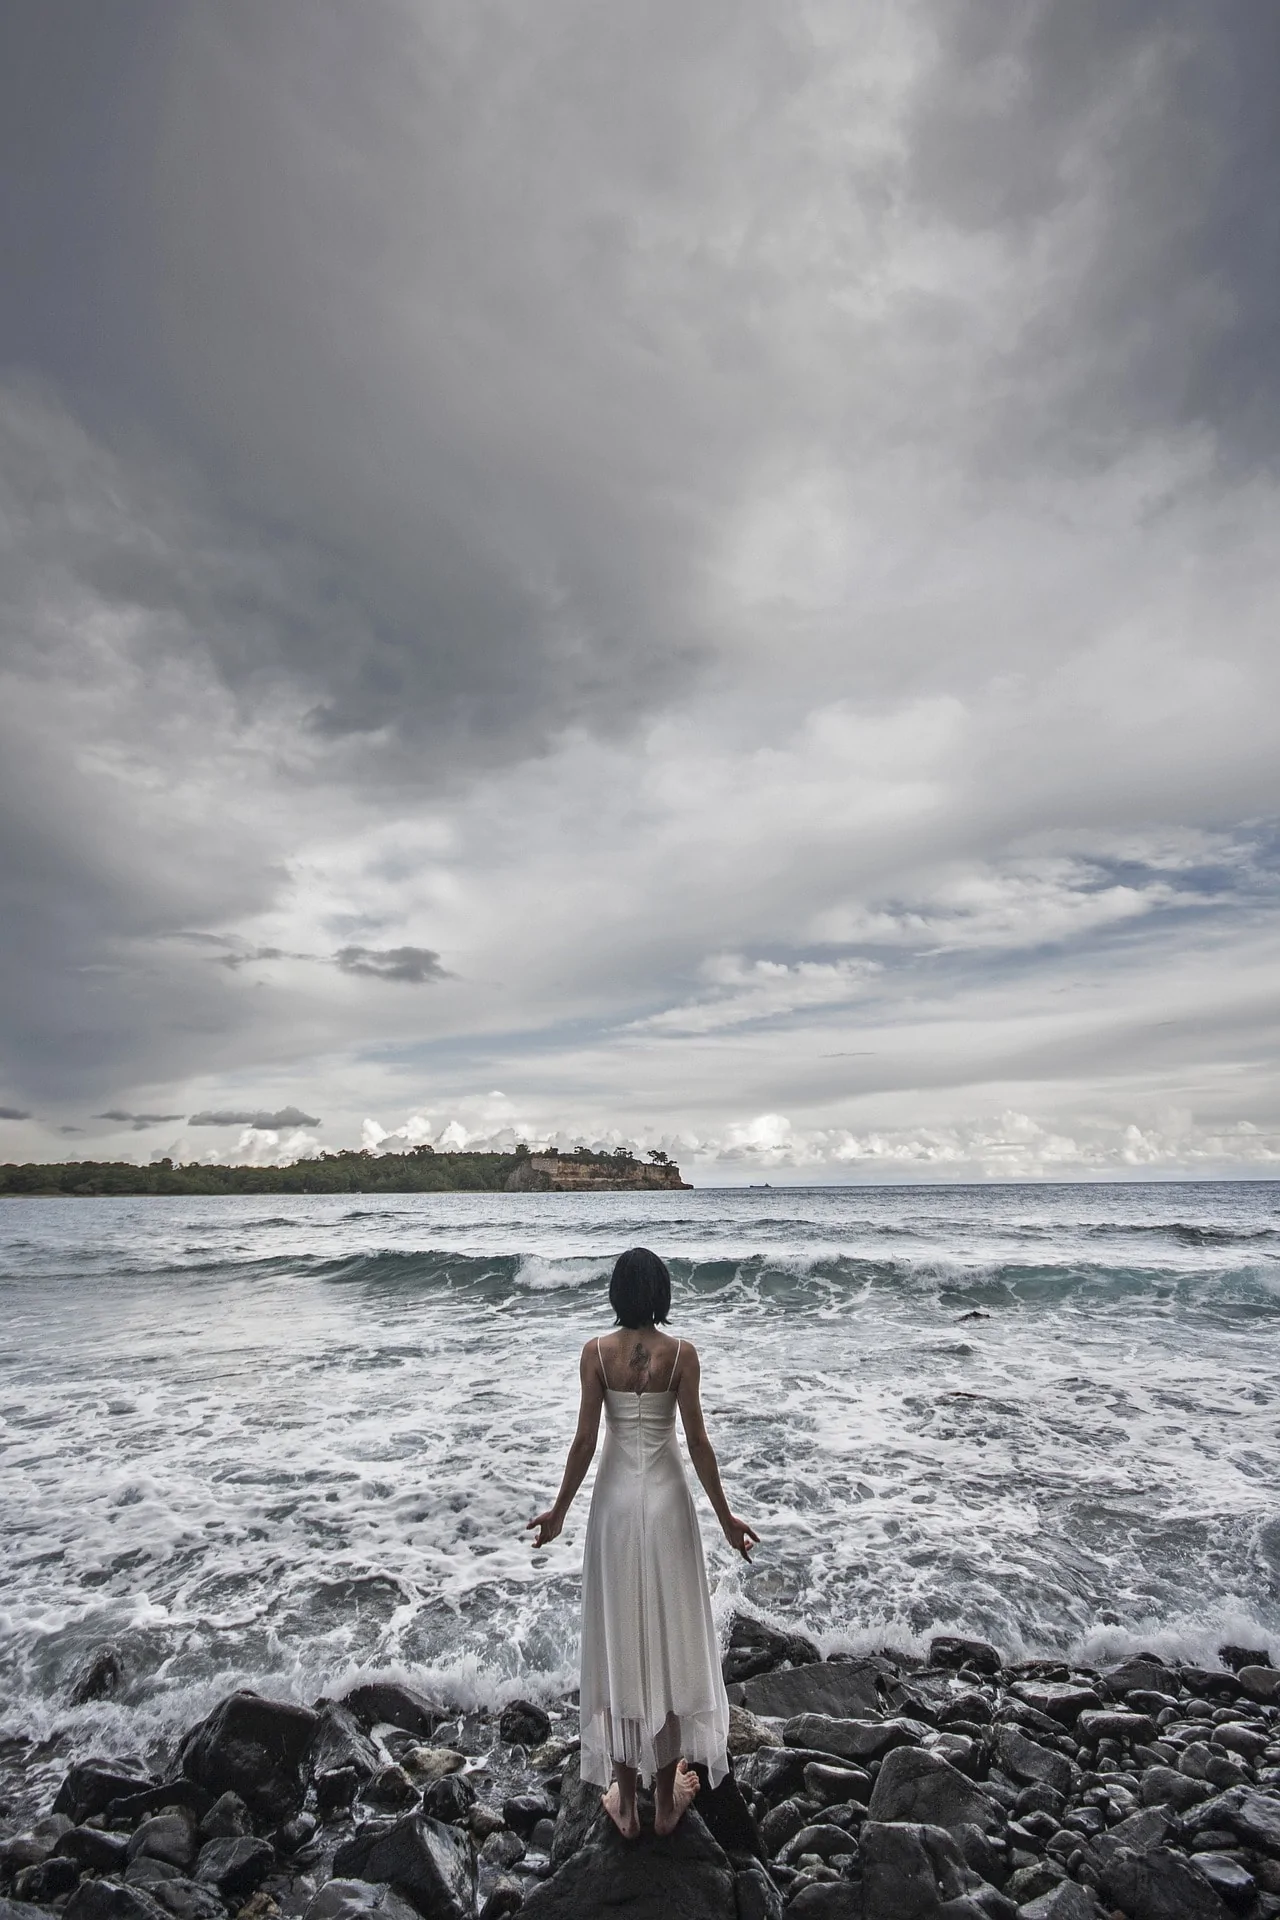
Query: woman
x: 652, y: 1695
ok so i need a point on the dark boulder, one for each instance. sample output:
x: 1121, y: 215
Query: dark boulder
x: 506, y: 1896
x: 832, y: 1900
x: 111, y: 1900
x: 166, y: 1836
x: 47, y: 1880
x: 1160, y: 1885
x: 390, y: 1789
x: 909, y: 1869
x: 387, y: 1702
x: 336, y: 1790
x: 755, y: 1648
x: 580, y: 1813
x: 1250, y: 1813
x: 1099, y: 1723
x: 227, y: 1819
x: 1067, y: 1901
x: 758, y: 1898
x: 341, y: 1741
x: 775, y: 1773
x: 858, y: 1740
x: 1025, y: 1761
x: 433, y: 1865
x: 522, y: 1723
x: 918, y: 1787
x: 523, y: 1811
x: 724, y: 1812
x: 182, y: 1899
x: 1227, y: 1877
x: 832, y: 1786
x: 450, y: 1799
x: 1259, y: 1683
x: 1141, y: 1675
x: 951, y: 1650
x: 842, y: 1688
x: 21, y: 1910
x: 91, y: 1787
x: 683, y: 1875
x: 356, y: 1900
x: 236, y: 1868
x: 256, y: 1748
x: 1210, y: 1683
x: 822, y: 1838
x: 98, y: 1678
x: 1059, y: 1700
x: 785, y: 1820
x: 93, y: 1849
x: 1165, y: 1787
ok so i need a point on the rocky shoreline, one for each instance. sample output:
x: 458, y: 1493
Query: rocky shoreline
x: 881, y: 1787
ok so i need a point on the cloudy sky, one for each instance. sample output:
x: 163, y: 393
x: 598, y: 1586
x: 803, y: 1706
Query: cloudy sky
x: 692, y: 574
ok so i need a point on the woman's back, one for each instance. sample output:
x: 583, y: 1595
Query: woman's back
x: 639, y: 1360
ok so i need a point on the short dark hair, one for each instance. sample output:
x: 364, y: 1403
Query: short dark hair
x: 640, y: 1289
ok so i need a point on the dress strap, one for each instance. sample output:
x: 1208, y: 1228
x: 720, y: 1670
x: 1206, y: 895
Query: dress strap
x: 600, y: 1361
x: 674, y: 1364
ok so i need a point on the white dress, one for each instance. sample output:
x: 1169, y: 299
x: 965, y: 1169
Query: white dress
x: 652, y: 1690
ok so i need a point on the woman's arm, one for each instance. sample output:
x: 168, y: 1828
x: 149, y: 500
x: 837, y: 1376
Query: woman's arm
x: 581, y: 1449
x: 689, y: 1400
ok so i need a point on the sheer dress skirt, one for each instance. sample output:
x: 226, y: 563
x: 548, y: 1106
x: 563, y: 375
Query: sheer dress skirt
x: 652, y: 1690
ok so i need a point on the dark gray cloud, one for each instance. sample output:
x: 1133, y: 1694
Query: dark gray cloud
x: 413, y: 964
x: 661, y: 507
x: 254, y: 1117
x: 139, y: 1122
x: 14, y: 1113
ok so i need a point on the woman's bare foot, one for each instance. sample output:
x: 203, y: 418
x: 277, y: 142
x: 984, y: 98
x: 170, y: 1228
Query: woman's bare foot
x: 626, y: 1820
x: 669, y: 1813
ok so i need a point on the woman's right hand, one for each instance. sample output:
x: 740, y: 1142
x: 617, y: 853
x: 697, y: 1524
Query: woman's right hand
x: 546, y: 1526
x: 740, y: 1536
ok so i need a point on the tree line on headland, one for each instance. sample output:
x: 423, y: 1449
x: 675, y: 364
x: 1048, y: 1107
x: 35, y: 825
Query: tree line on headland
x: 421, y: 1170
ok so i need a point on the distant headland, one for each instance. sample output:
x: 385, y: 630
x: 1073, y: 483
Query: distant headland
x: 421, y: 1170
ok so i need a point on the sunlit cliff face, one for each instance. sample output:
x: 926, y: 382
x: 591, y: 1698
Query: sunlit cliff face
x: 691, y: 581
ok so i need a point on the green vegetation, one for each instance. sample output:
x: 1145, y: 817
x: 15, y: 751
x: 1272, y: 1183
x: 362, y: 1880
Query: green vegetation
x: 421, y: 1170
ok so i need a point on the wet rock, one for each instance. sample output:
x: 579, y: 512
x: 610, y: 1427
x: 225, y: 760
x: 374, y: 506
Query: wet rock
x: 1248, y: 1742
x: 111, y: 1900
x: 823, y: 1839
x: 859, y: 1740
x: 830, y: 1786
x: 1138, y: 1833
x: 683, y: 1875
x: 1160, y: 1885
x: 451, y: 1799
x: 431, y: 1864
x: 506, y: 1896
x: 916, y: 1786
x: 1251, y: 1813
x: 842, y: 1688
x: 784, y: 1821
x: 149, y: 1873
x: 433, y: 1763
x: 951, y: 1650
x: 1210, y: 1683
x: 167, y: 1836
x: 390, y: 1788
x: 1234, y: 1883
x: 971, y: 1707
x: 21, y: 1910
x: 256, y: 1748
x: 1151, y: 1676
x: 1034, y: 1881
x: 755, y: 1648
x: 227, y: 1819
x: 757, y: 1896
x: 502, y: 1850
x: 775, y: 1773
x: 337, y: 1789
x: 1058, y: 1701
x: 341, y: 1742
x: 728, y: 1818
x: 1067, y: 1901
x: 236, y: 1868
x: 46, y: 1881
x: 1238, y: 1657
x: 1025, y: 1760
x: 909, y: 1869
x: 90, y: 1788
x: 357, y: 1900
x: 293, y: 1835
x: 183, y: 1899
x: 523, y: 1811
x: 1102, y: 1723
x: 580, y: 1812
x: 93, y: 1849
x: 747, y: 1734
x: 387, y: 1702
x: 835, y: 1901
x: 1164, y: 1787
x: 99, y: 1676
x: 524, y: 1724
x: 1260, y: 1683
x: 481, y: 1821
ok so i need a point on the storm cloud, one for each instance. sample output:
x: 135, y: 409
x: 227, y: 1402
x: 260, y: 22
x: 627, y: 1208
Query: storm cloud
x: 740, y: 550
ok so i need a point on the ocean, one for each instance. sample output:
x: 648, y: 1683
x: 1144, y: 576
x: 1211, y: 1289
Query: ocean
x: 286, y: 1442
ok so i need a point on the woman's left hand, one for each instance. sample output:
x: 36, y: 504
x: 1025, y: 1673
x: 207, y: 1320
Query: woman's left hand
x: 547, y: 1526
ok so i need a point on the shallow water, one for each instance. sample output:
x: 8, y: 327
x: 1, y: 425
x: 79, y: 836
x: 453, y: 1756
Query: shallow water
x: 278, y: 1442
